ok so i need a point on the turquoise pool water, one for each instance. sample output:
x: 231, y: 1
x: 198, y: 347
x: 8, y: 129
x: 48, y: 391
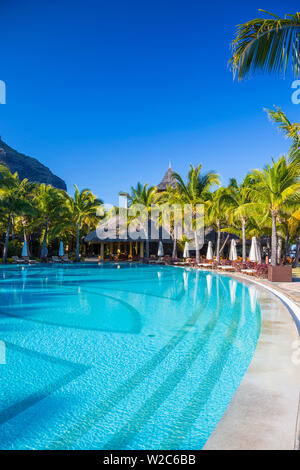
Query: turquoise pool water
x: 120, y: 356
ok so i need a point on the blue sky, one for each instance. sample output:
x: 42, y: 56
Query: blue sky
x: 106, y: 93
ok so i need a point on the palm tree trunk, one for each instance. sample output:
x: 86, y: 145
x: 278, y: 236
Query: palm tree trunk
x: 297, y: 255
x: 268, y: 247
x: 174, y: 251
x: 259, y: 248
x: 197, y: 248
x: 224, y: 244
x: 77, y: 259
x: 274, y: 239
x: 279, y: 248
x: 286, y: 246
x: 5, y: 251
x: 44, y: 244
x: 218, y: 240
x: 244, y: 240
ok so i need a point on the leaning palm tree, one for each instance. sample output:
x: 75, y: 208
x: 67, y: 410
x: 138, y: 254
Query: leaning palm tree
x: 267, y: 44
x: 146, y: 197
x: 14, y: 201
x: 197, y: 190
x: 82, y: 209
x: 271, y: 189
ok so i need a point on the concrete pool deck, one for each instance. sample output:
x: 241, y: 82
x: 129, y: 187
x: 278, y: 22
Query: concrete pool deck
x: 264, y: 412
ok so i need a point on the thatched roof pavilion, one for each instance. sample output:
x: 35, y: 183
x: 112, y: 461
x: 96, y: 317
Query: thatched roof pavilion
x: 167, y: 180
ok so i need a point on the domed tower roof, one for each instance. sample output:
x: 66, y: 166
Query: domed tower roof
x: 167, y: 180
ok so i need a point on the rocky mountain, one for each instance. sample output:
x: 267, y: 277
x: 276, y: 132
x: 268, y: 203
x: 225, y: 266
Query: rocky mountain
x: 28, y: 167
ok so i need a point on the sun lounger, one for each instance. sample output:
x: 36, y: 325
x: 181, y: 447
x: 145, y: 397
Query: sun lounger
x: 248, y: 271
x: 17, y: 260
x: 28, y: 260
x: 227, y: 268
x: 66, y: 259
x: 205, y: 265
x: 56, y: 259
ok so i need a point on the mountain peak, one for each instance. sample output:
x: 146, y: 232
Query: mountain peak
x: 28, y: 167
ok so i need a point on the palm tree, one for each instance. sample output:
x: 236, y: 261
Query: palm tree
x: 50, y: 204
x: 146, y: 197
x: 267, y: 44
x: 195, y: 191
x: 168, y: 200
x: 14, y: 201
x: 82, y: 209
x: 232, y: 198
x: 271, y: 189
x: 291, y: 131
x: 216, y: 215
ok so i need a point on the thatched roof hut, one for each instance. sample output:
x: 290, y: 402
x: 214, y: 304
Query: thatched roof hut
x: 115, y: 230
x: 167, y: 180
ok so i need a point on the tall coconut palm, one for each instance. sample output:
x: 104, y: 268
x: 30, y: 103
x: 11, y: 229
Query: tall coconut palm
x: 146, y: 197
x: 267, y: 44
x: 232, y: 198
x: 197, y: 190
x: 216, y: 216
x: 81, y: 209
x: 168, y: 201
x: 271, y: 189
x: 14, y: 201
x: 49, y: 203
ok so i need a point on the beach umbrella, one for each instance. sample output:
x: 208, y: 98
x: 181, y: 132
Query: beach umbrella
x: 209, y: 254
x: 232, y: 252
x: 24, y: 249
x: 186, y: 253
x: 160, y: 252
x: 254, y: 254
x: 61, y: 249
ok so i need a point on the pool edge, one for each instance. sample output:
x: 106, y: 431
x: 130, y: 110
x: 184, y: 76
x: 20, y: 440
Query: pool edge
x: 218, y: 440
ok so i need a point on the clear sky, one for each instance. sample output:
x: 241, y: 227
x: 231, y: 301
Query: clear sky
x: 105, y: 93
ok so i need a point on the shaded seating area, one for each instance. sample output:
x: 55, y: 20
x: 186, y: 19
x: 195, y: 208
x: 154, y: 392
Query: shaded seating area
x: 114, y: 241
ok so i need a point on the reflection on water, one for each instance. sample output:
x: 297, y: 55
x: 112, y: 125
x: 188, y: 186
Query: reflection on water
x: 209, y: 283
x: 232, y: 287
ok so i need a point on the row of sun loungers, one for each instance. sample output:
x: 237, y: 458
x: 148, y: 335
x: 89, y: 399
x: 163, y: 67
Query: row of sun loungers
x: 227, y: 268
x: 23, y: 260
x: 27, y: 260
x: 63, y: 259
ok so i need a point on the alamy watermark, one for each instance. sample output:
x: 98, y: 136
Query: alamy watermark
x: 2, y: 92
x: 296, y: 94
x: 163, y: 222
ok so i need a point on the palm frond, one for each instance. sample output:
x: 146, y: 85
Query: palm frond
x: 268, y: 45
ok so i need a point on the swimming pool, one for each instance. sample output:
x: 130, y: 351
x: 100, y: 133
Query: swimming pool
x: 125, y: 356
